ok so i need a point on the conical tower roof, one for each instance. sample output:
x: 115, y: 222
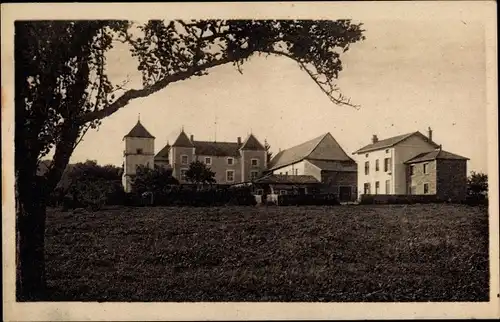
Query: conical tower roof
x: 139, y: 131
x: 183, y: 141
x: 252, y: 143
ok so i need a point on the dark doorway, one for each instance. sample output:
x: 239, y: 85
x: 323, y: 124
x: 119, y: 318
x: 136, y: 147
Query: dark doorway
x: 345, y: 193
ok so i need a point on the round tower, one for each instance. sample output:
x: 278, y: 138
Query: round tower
x: 139, y: 150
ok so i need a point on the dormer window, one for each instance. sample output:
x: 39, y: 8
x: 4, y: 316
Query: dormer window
x: 139, y: 151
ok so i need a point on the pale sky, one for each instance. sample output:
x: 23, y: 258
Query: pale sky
x: 407, y: 76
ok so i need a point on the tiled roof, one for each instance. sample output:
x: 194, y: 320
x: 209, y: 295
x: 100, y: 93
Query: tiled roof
x: 287, y: 179
x: 183, y: 141
x: 334, y: 165
x: 164, y: 153
x: 387, y: 143
x: 311, y: 149
x: 252, y: 143
x: 434, y: 155
x: 139, y: 131
x: 220, y: 149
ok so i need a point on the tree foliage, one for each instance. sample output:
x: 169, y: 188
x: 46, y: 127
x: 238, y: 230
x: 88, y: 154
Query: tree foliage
x: 156, y: 180
x: 477, y: 182
x: 269, y: 154
x: 90, y: 184
x: 199, y: 173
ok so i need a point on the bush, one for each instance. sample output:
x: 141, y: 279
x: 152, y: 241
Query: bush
x: 476, y: 200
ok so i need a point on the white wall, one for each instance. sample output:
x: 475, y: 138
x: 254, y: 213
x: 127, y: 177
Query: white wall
x: 373, y: 176
x: 299, y: 166
x: 132, y: 144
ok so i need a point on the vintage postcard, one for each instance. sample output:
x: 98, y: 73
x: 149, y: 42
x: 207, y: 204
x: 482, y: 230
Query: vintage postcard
x: 250, y: 161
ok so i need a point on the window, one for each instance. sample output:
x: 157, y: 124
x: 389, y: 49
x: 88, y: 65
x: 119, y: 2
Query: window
x: 259, y: 192
x: 412, y: 170
x: 254, y: 175
x: 208, y: 160
x: 376, y: 165
x: 367, y: 188
x: 367, y: 167
x: 426, y: 168
x: 230, y: 175
x: 139, y: 151
x: 377, y: 187
x: 296, y: 172
x: 426, y: 188
x: 184, y: 159
x: 387, y: 187
x: 283, y: 192
x: 387, y: 151
x: 255, y: 162
x: 366, y: 155
x: 230, y: 161
x: 387, y: 164
x: 286, y: 173
x: 183, y: 174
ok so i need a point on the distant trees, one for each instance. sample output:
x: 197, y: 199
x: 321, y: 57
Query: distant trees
x: 269, y: 154
x: 90, y: 184
x: 199, y: 173
x: 477, y: 183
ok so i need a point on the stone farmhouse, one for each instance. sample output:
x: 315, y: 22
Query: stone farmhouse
x: 411, y: 164
x: 406, y: 164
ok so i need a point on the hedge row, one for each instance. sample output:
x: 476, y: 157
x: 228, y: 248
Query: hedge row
x: 308, y: 200
x: 188, y: 197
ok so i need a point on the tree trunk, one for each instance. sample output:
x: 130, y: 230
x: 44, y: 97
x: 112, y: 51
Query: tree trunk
x: 30, y: 242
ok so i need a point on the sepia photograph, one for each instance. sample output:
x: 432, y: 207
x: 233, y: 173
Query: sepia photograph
x: 323, y: 158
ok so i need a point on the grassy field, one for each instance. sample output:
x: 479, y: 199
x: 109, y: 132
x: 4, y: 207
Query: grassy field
x: 344, y: 253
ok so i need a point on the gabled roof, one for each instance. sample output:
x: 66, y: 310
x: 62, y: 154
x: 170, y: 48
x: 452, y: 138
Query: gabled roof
x: 252, y: 143
x: 286, y: 179
x: 219, y: 149
x: 164, y: 153
x: 392, y: 141
x: 323, y: 147
x: 435, y: 155
x: 334, y: 165
x: 183, y: 141
x: 139, y: 131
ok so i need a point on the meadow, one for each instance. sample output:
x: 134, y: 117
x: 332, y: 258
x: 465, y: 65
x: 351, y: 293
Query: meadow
x: 339, y: 253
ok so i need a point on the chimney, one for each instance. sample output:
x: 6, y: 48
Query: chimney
x: 374, y: 138
x: 429, y: 133
x: 192, y: 138
x: 239, y: 140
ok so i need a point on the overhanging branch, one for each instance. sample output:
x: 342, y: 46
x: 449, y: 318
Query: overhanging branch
x: 132, y: 94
